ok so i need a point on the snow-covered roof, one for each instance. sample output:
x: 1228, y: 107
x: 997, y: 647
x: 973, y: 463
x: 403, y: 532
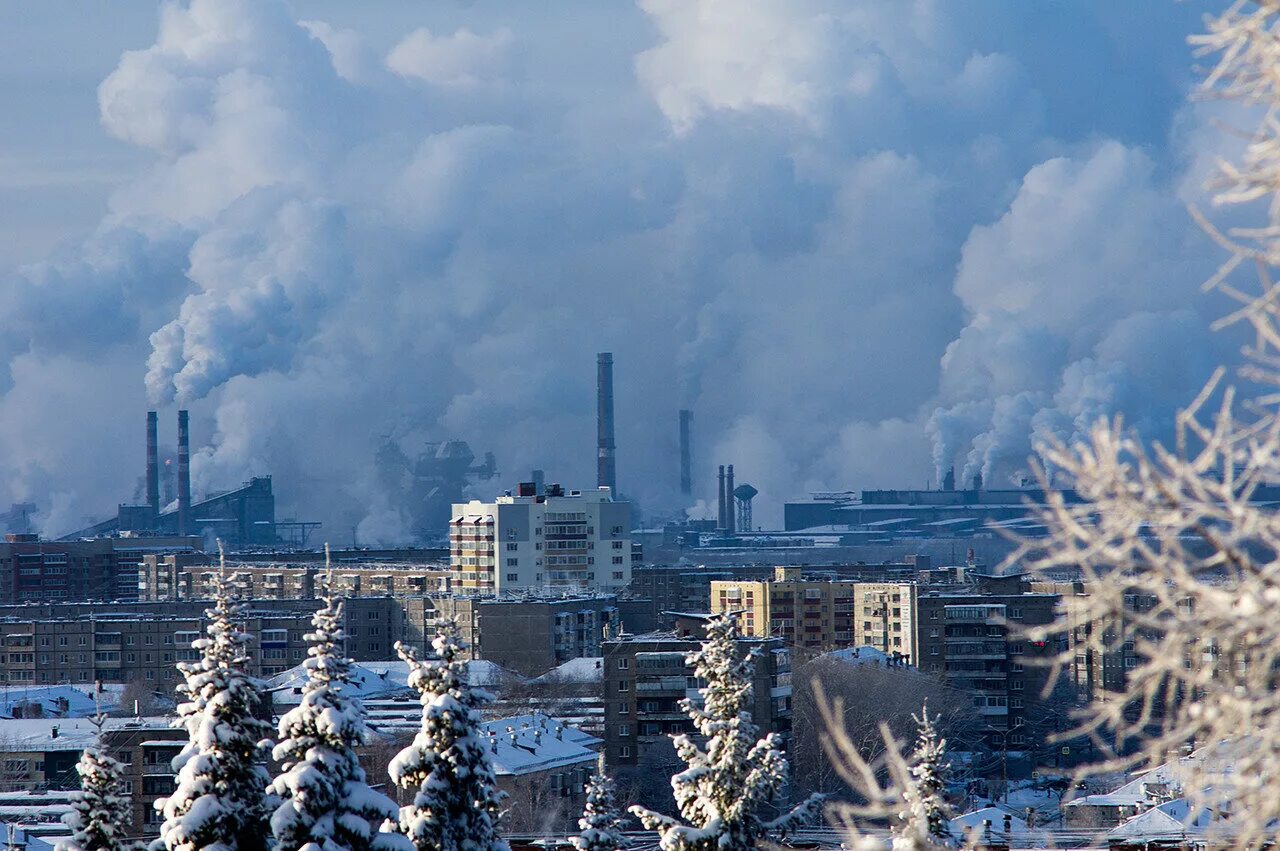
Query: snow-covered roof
x: 962, y: 823
x: 1154, y: 824
x: 25, y: 838
x: 864, y: 655
x: 36, y: 735
x: 377, y: 679
x: 60, y: 701
x: 585, y: 669
x: 525, y: 744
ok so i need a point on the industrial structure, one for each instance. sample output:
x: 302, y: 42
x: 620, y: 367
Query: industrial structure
x: 241, y: 518
x: 529, y: 541
x: 686, y: 452
x: 423, y: 488
x: 606, y: 470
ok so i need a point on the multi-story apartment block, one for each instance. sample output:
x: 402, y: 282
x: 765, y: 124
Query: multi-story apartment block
x: 823, y: 614
x: 141, y: 642
x: 538, y: 542
x: 535, y: 634
x: 97, y: 569
x: 194, y: 577
x: 971, y: 637
x: 646, y: 677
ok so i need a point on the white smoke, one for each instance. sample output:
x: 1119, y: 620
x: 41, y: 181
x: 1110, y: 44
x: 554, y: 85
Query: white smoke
x: 828, y: 227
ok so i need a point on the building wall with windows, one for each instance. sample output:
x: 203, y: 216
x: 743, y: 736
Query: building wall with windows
x: 646, y: 677
x: 553, y: 542
x: 194, y: 576
x: 823, y: 614
x: 32, y: 570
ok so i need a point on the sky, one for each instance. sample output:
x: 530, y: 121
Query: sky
x: 863, y: 241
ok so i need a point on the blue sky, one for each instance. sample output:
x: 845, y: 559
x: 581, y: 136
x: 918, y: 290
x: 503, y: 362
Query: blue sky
x: 863, y: 240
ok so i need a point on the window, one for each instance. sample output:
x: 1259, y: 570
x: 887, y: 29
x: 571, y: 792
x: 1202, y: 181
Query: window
x: 624, y: 730
x: 513, y: 562
x: 624, y: 664
x: 1015, y: 613
x: 624, y: 708
x: 513, y: 577
x: 1016, y: 685
x: 511, y: 548
x: 617, y: 559
x: 624, y: 686
x: 624, y: 751
x: 617, y: 574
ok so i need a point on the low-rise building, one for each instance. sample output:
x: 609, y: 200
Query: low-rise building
x: 194, y: 576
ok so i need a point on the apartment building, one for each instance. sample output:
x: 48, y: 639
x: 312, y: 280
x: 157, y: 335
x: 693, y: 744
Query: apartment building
x: 646, y: 677
x: 529, y: 541
x: 822, y: 614
x: 532, y: 635
x: 34, y: 570
x: 971, y: 637
x: 141, y: 642
x: 194, y: 576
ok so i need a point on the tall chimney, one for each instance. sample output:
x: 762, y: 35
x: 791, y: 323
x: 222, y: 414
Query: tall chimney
x: 153, y: 465
x: 720, y: 525
x: 949, y: 480
x: 977, y: 481
x: 606, y: 474
x: 184, y: 475
x: 729, y: 520
x: 686, y: 453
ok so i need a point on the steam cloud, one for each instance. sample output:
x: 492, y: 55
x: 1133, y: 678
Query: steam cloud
x: 838, y: 231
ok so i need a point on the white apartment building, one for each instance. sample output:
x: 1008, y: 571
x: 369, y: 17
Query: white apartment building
x: 555, y: 541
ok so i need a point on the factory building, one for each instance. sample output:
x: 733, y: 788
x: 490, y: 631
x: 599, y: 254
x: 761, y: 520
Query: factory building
x: 533, y: 542
x: 823, y: 614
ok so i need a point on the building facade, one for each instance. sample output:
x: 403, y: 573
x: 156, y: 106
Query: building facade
x: 823, y: 614
x: 541, y: 542
x: 193, y: 576
x: 35, y: 570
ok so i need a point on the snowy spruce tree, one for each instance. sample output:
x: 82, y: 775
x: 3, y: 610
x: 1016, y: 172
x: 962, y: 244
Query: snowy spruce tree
x: 601, y: 823
x: 326, y: 803
x: 100, y: 815
x: 722, y: 794
x: 925, y: 819
x: 220, y: 800
x: 456, y: 801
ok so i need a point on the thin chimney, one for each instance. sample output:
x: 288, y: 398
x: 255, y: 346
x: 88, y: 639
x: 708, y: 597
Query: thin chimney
x: 720, y: 524
x: 729, y: 520
x: 686, y: 452
x: 184, y: 474
x: 153, y: 465
x: 606, y: 474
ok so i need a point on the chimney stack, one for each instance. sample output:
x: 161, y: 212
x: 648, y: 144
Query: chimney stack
x: 153, y: 465
x: 184, y: 475
x: 686, y: 452
x: 720, y: 525
x: 729, y: 519
x: 606, y: 474
x: 949, y: 480
x: 977, y: 481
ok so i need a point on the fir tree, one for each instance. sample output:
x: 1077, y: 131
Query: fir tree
x: 327, y: 804
x: 100, y: 815
x: 456, y: 805
x: 925, y: 820
x: 601, y: 823
x: 220, y: 799
x: 726, y: 786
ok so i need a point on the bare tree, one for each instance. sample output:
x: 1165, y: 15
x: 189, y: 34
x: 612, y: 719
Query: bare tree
x: 1180, y: 559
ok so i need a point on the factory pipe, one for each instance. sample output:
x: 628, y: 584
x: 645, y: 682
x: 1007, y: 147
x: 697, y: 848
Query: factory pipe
x: 606, y: 473
x: 184, y: 474
x: 730, y: 521
x: 686, y: 452
x: 153, y: 465
x: 720, y: 526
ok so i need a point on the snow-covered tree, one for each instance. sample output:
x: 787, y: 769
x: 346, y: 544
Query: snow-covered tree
x: 326, y: 802
x: 219, y: 801
x: 456, y: 804
x: 927, y: 813
x: 903, y: 791
x: 1179, y: 557
x: 601, y: 822
x: 100, y: 816
x: 723, y: 793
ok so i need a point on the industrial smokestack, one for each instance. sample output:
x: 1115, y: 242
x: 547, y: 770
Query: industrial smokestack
x: 184, y: 475
x: 153, y: 465
x: 977, y: 481
x: 686, y: 453
x: 606, y: 474
x: 720, y: 524
x: 729, y: 519
x: 949, y: 480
